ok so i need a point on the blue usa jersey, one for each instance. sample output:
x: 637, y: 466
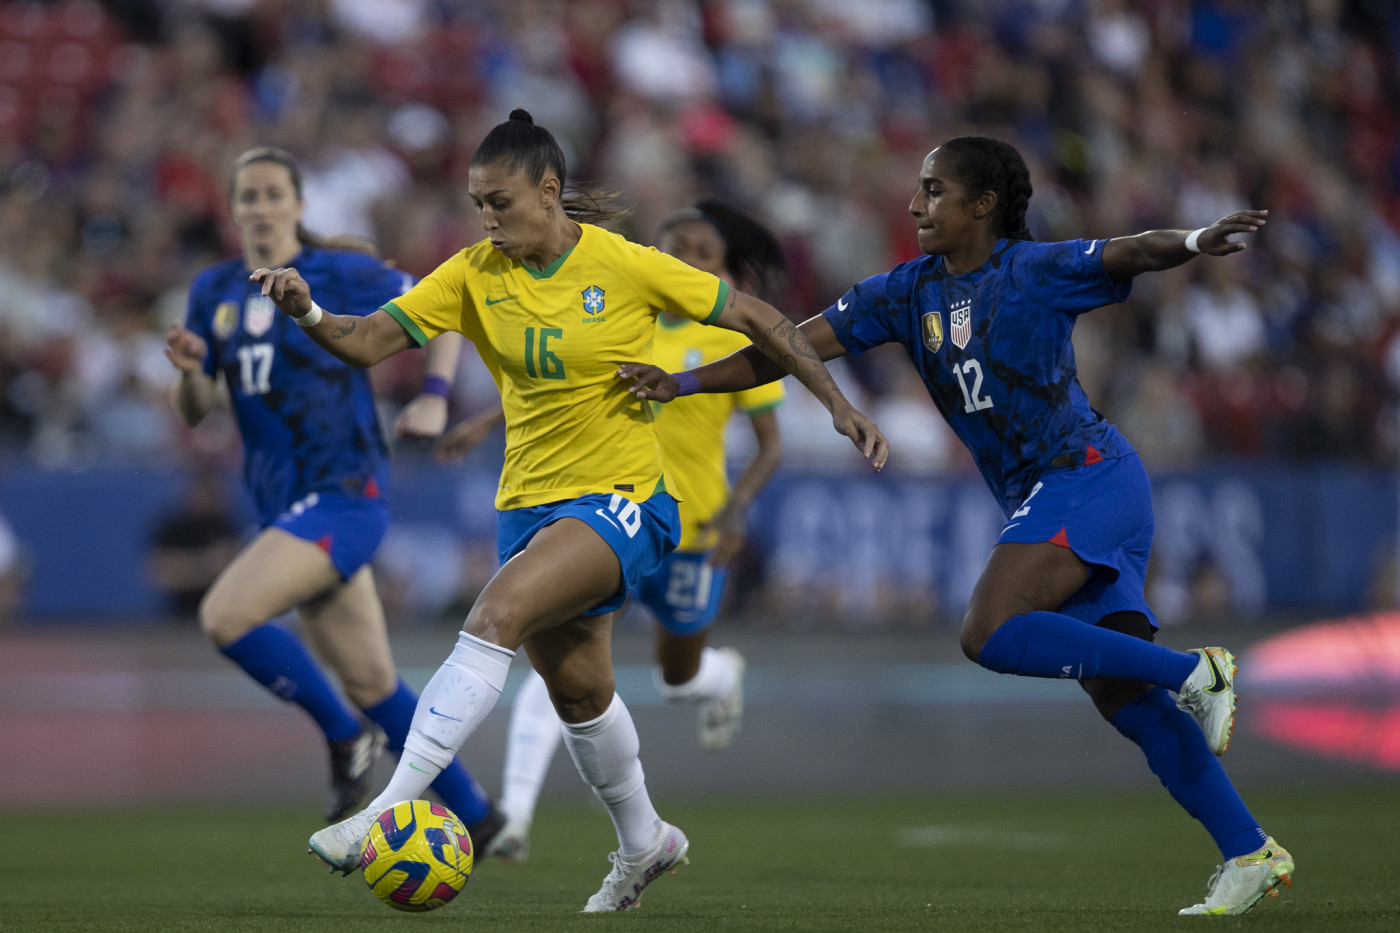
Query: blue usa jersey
x: 993, y: 348
x: 308, y: 420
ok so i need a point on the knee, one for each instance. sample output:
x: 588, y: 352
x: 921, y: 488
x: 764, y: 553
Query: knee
x: 977, y: 627
x: 221, y: 620
x: 370, y: 683
x: 495, y: 620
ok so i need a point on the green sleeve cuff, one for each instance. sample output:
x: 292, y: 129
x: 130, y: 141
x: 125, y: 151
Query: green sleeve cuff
x: 415, y: 333
x: 720, y: 301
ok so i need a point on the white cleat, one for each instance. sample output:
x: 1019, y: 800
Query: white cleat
x: 720, y: 719
x: 338, y: 845
x: 512, y: 843
x: 622, y: 888
x: 1209, y: 695
x: 1240, y: 883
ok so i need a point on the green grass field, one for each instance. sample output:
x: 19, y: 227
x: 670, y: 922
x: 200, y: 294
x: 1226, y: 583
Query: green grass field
x: 1007, y: 862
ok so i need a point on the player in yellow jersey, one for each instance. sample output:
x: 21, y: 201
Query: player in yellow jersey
x: 555, y: 307
x: 684, y: 593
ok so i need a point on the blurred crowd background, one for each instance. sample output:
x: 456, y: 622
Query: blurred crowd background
x: 119, y: 121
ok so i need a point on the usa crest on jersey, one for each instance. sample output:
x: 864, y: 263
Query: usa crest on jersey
x: 933, y: 331
x: 960, y: 321
x: 258, y: 314
x: 225, y: 319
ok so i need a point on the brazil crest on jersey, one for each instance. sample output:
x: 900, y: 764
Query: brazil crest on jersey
x: 692, y: 428
x: 553, y: 339
x: 993, y: 348
x: 308, y: 420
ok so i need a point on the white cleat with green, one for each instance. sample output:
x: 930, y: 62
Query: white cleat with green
x: 1241, y: 882
x: 338, y: 845
x: 1209, y: 695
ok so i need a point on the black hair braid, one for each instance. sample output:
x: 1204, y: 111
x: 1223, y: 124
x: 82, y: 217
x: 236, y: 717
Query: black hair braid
x: 987, y: 164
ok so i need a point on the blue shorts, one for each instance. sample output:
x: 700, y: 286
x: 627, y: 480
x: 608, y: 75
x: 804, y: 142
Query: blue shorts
x: 347, y: 529
x: 640, y: 533
x: 1103, y: 513
x: 684, y: 593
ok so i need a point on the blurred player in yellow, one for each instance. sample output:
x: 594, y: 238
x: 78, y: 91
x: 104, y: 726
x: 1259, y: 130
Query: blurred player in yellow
x: 555, y: 307
x: 685, y: 592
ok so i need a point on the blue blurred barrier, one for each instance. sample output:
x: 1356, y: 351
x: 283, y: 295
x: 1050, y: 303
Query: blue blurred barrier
x: 1236, y: 541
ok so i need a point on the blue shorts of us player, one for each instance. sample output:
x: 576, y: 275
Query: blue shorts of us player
x: 640, y: 533
x: 684, y: 593
x: 1103, y: 513
x: 347, y: 528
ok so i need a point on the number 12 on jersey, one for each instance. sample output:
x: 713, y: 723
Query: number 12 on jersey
x: 973, y: 399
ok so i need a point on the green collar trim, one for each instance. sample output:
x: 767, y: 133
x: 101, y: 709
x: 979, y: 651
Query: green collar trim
x: 553, y: 266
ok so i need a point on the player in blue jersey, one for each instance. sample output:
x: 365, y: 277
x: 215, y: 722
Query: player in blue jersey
x: 317, y: 467
x: 985, y: 316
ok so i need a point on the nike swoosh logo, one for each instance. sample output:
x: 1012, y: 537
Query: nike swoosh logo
x: 1088, y: 251
x: 1009, y: 527
x: 433, y: 710
x: 841, y: 304
x: 609, y: 518
x: 496, y: 301
x: 1261, y: 857
x: 418, y: 769
x: 1217, y: 682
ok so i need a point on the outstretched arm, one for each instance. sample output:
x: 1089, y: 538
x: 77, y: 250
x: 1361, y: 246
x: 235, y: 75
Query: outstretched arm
x: 1127, y: 256
x: 359, y: 341
x: 779, y: 347
x: 742, y: 369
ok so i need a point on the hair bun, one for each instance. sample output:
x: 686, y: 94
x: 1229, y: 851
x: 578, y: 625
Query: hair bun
x: 522, y: 115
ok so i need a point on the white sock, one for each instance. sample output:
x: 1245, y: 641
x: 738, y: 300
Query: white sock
x: 450, y: 708
x: 715, y: 679
x: 535, y: 731
x: 605, y: 751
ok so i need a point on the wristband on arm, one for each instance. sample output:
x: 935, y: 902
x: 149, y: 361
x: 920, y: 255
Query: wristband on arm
x: 311, y: 318
x: 1193, y: 240
x: 436, y: 385
x: 687, y: 383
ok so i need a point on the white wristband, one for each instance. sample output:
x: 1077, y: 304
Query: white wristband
x: 310, y: 318
x: 1193, y: 239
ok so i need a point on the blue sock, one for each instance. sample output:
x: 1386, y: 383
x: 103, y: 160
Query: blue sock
x: 1048, y: 644
x: 454, y: 785
x: 1177, y: 753
x: 278, y: 660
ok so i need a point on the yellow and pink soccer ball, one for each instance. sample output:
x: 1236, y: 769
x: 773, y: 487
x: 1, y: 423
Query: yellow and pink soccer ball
x: 417, y: 856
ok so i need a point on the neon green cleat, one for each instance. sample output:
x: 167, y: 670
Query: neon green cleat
x: 1239, y: 884
x: 1209, y: 695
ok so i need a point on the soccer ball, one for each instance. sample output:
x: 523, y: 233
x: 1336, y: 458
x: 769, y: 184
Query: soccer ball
x: 417, y: 856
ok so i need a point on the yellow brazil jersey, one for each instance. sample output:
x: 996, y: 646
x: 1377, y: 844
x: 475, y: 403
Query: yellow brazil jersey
x: 692, y: 428
x: 553, y: 340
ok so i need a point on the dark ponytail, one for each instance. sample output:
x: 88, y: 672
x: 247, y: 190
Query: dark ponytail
x: 285, y: 159
x: 752, y: 254
x: 522, y: 146
x: 982, y: 163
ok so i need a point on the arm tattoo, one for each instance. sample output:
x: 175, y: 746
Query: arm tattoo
x: 344, y: 330
x: 790, y: 344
